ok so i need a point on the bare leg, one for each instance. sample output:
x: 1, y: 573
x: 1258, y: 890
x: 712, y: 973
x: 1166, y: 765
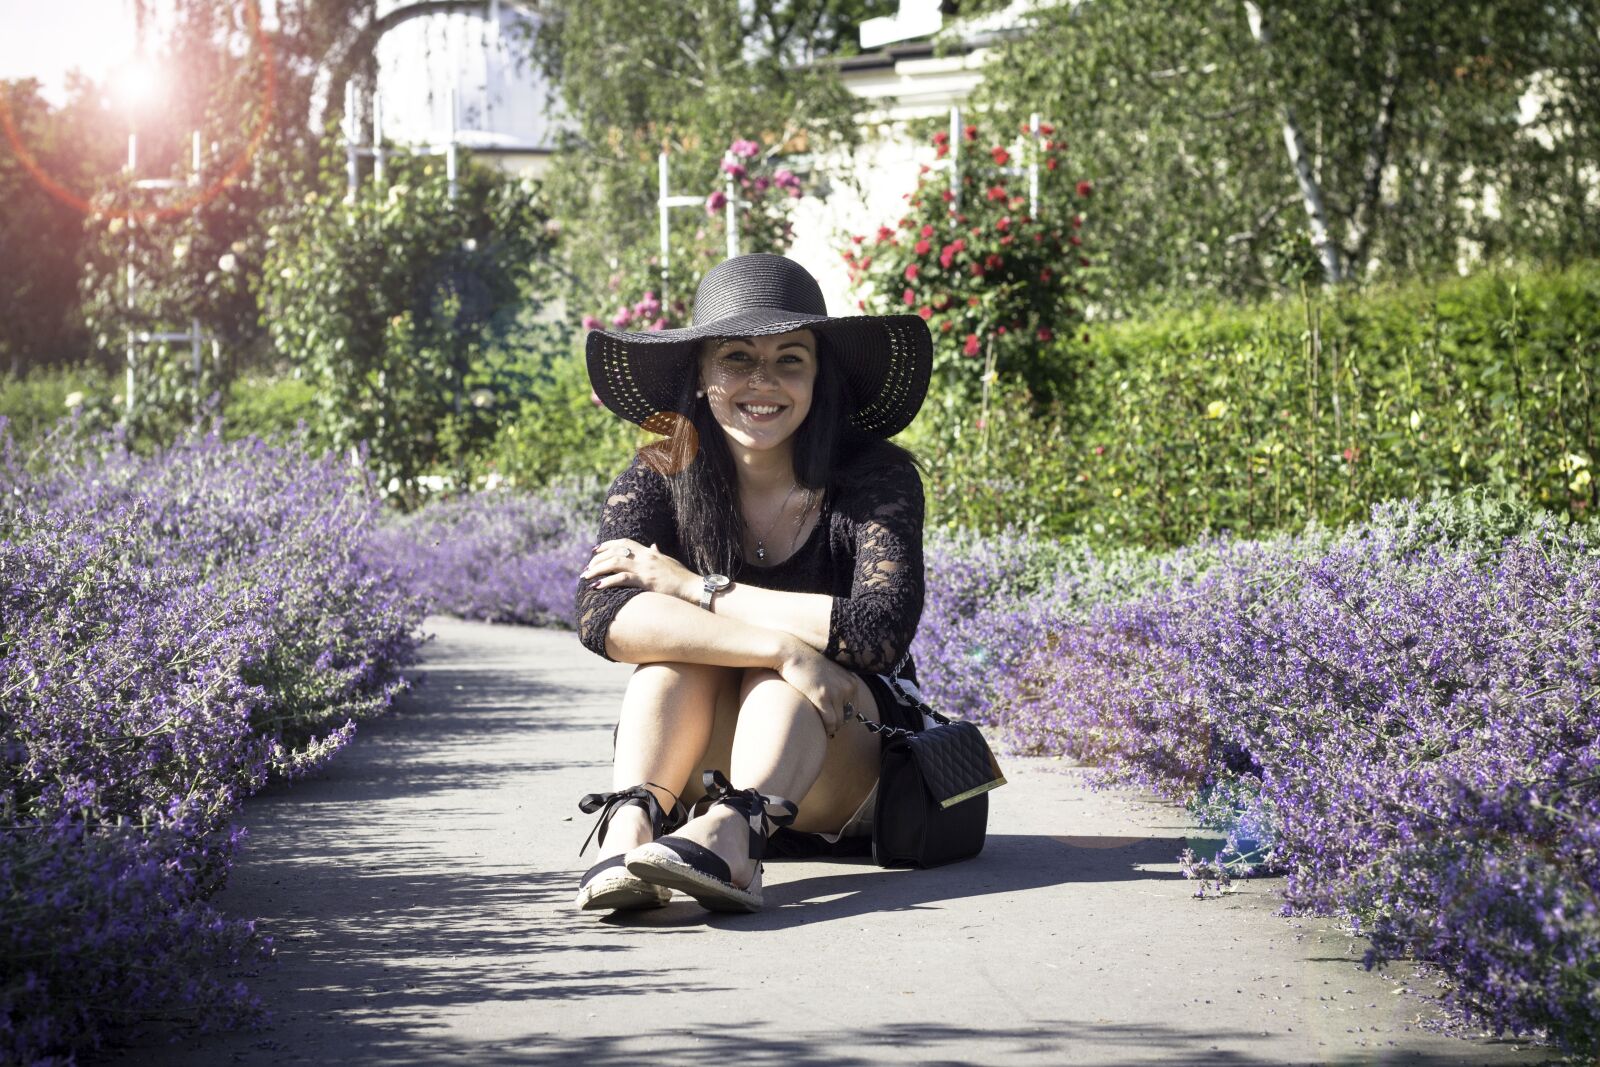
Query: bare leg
x: 780, y: 748
x: 665, y: 727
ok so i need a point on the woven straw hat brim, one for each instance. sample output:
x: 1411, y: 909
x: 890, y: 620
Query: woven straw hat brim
x: 886, y: 361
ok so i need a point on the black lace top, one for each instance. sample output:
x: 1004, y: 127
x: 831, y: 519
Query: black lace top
x: 865, y: 551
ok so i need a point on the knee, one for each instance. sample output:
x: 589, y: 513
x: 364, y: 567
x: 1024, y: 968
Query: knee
x: 753, y: 676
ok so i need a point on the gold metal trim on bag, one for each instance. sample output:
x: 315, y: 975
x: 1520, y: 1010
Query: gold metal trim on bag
x: 969, y: 794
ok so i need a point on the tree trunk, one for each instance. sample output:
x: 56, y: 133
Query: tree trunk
x: 356, y: 49
x: 1299, y: 159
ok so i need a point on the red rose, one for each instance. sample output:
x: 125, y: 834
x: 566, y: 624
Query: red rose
x: 926, y: 312
x: 941, y: 151
x: 997, y: 192
x: 946, y: 326
x: 1045, y: 334
x: 904, y: 224
x: 947, y: 256
x: 971, y: 347
x: 1084, y: 189
x: 1007, y: 239
x: 977, y: 270
x: 1001, y: 330
x: 884, y: 233
x: 1046, y: 129
x: 1051, y: 163
x: 927, y: 231
x: 941, y: 137
x: 959, y: 244
x: 1003, y: 224
x: 1075, y: 239
x: 858, y: 238
x: 922, y: 247
x: 971, y: 132
x: 909, y: 297
x: 1045, y: 275
x: 1001, y: 156
x: 911, y: 272
x: 992, y: 262
x: 972, y: 301
x: 948, y: 196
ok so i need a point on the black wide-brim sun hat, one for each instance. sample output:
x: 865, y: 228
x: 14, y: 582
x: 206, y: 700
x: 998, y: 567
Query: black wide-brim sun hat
x: 886, y: 360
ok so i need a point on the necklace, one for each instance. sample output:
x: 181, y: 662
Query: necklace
x: 761, y: 542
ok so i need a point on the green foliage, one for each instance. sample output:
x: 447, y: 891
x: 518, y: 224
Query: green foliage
x: 1265, y: 418
x: 403, y: 308
x: 688, y: 83
x: 763, y: 193
x: 994, y: 283
x: 34, y: 402
x: 558, y: 433
x: 42, y: 234
x: 271, y: 407
x: 1409, y: 111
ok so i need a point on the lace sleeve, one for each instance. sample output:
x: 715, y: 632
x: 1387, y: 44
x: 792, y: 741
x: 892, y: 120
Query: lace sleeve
x: 637, y: 507
x: 869, y: 630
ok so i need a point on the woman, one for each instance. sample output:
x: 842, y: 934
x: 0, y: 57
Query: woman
x: 763, y: 566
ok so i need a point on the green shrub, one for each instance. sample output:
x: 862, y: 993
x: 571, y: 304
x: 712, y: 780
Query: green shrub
x: 34, y: 402
x: 1254, y: 419
x: 268, y: 406
x: 557, y: 433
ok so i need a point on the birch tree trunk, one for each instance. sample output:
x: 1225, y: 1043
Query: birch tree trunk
x: 1299, y: 159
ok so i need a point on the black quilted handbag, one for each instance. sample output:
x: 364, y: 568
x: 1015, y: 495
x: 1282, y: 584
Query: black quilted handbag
x: 933, y: 786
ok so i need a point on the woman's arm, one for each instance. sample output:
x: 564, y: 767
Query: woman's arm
x: 802, y: 615
x: 653, y: 627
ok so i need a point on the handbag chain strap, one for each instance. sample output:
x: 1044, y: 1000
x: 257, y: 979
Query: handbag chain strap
x: 895, y: 733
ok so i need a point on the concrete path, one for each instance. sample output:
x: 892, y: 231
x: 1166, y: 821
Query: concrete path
x: 419, y: 892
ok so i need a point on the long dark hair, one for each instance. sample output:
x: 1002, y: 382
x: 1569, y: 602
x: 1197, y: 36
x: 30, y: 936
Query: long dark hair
x: 830, y: 455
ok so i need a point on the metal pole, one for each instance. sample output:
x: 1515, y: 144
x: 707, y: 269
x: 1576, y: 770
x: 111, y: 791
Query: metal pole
x: 733, y: 214
x: 352, y: 165
x: 661, y: 211
x: 450, y: 149
x: 194, y: 350
x: 955, y: 163
x: 1033, y: 167
x: 377, y: 138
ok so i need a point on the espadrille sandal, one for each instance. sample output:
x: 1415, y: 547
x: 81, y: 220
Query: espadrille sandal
x: 607, y: 886
x: 678, y: 863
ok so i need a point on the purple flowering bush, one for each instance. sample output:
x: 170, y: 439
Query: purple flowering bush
x: 499, y: 555
x: 174, y: 630
x: 1401, y: 718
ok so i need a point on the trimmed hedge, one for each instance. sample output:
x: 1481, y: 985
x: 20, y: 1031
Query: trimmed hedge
x: 1258, y: 419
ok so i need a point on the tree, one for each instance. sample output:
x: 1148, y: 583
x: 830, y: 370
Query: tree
x: 41, y: 234
x: 712, y: 71
x: 1219, y: 134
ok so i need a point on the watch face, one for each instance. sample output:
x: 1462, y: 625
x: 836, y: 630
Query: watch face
x: 716, y: 581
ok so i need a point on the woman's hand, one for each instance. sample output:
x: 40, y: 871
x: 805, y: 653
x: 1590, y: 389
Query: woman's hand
x: 647, y: 568
x: 820, y: 680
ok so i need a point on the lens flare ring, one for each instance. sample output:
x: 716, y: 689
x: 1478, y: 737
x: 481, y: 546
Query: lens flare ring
x: 269, y: 94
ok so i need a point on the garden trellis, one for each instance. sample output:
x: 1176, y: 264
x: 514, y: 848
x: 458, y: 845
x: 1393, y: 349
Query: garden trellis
x: 137, y: 339
x: 954, y: 164
x: 354, y: 150
x: 665, y: 202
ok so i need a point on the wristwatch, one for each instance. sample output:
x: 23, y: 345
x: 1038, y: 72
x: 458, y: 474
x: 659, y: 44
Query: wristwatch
x: 713, y: 583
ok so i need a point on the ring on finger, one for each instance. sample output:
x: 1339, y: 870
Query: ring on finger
x: 849, y: 711
x: 627, y: 553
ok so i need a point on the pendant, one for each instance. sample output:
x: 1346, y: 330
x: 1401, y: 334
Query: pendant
x: 761, y: 553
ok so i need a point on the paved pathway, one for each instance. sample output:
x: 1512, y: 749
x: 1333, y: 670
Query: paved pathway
x: 419, y: 892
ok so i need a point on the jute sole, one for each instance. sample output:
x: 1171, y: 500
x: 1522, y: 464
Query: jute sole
x: 620, y: 892
x: 662, y: 867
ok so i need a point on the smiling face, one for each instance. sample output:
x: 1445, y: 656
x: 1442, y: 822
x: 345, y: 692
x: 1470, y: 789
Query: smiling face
x: 746, y: 378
